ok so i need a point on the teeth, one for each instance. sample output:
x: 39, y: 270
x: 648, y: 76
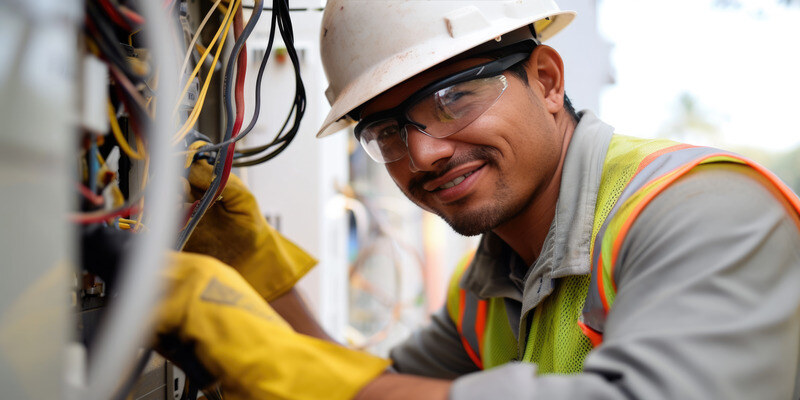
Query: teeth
x: 455, y: 181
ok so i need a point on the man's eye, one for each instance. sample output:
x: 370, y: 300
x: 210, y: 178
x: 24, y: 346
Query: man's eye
x: 388, y: 132
x: 452, y: 97
x: 453, y: 103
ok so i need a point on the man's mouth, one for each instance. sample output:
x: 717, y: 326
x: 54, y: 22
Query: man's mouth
x: 458, y: 171
x: 454, y: 182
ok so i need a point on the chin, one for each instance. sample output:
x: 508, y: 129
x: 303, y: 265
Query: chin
x: 475, y: 222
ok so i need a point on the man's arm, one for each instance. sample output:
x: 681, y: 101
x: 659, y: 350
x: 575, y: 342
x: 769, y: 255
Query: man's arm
x: 434, y: 351
x: 707, y: 307
x: 293, y: 309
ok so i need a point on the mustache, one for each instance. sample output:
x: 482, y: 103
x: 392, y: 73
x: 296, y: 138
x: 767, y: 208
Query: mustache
x: 486, y: 154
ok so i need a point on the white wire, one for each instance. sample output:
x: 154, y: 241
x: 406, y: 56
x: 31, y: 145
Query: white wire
x: 129, y: 317
x: 200, y: 27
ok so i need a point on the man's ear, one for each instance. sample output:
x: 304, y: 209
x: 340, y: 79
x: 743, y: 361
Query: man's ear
x: 546, y: 72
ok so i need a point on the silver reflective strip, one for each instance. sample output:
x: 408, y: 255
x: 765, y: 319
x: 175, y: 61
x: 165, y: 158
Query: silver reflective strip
x: 468, y: 322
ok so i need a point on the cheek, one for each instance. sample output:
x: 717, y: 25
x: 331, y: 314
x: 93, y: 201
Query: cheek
x: 399, y: 173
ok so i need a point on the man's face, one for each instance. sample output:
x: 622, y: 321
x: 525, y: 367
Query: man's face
x: 487, y: 173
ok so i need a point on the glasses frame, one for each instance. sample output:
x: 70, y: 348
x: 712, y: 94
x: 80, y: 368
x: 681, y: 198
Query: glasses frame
x: 510, y: 56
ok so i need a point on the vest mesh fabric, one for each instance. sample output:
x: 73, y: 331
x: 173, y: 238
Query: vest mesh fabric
x: 499, y: 342
x: 555, y: 342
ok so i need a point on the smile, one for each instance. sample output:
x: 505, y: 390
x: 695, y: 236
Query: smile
x: 454, y: 182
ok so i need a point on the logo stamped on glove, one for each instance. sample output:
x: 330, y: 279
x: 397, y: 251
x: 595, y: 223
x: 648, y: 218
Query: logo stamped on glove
x: 220, y: 293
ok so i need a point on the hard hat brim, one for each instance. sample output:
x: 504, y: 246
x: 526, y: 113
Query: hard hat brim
x: 399, y: 68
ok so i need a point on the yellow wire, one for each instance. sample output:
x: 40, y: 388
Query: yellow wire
x: 187, y: 126
x: 92, y: 46
x: 130, y: 37
x: 144, y: 184
x: 196, y: 70
x: 139, y: 155
x: 123, y: 144
x: 196, y: 36
x: 131, y: 222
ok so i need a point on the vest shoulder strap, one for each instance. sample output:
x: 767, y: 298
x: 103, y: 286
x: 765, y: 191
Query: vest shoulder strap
x: 654, y: 173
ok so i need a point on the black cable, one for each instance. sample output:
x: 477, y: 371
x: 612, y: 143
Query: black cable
x: 298, y: 108
x: 108, y: 43
x: 248, y: 7
x: 257, y: 108
x: 210, y: 195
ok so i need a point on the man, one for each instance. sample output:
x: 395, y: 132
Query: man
x: 609, y: 268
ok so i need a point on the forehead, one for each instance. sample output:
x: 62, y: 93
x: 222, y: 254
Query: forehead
x: 402, y: 91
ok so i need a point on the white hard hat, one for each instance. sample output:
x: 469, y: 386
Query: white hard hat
x: 370, y: 46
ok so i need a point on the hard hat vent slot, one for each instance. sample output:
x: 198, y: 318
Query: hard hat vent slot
x: 465, y: 20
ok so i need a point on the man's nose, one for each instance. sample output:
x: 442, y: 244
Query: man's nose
x: 425, y: 152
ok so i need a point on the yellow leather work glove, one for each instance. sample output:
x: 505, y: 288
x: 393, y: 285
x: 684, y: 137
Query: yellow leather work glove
x: 242, y: 342
x: 234, y: 231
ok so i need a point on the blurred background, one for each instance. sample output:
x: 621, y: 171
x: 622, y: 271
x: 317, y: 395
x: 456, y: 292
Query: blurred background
x: 724, y: 73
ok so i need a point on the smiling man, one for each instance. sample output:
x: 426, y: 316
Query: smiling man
x: 610, y: 267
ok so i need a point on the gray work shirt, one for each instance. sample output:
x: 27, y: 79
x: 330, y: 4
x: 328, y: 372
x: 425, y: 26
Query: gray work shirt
x: 708, y: 302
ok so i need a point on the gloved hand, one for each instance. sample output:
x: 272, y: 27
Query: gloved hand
x: 234, y: 231
x: 240, y: 340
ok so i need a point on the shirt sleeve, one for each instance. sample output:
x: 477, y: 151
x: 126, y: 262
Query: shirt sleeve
x: 434, y: 351
x: 707, y: 306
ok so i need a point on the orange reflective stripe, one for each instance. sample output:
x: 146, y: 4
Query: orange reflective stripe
x: 480, y: 325
x: 595, y: 337
x: 652, y: 156
x: 787, y: 193
x: 664, y: 181
x: 660, y: 184
x: 471, y: 353
x: 460, y: 326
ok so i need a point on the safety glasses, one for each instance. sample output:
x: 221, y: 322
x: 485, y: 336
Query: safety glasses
x: 437, y: 110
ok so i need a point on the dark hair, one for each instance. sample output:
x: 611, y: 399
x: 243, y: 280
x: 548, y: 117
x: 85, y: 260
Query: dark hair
x: 519, y: 71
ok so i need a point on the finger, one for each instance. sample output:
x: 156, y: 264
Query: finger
x: 200, y: 174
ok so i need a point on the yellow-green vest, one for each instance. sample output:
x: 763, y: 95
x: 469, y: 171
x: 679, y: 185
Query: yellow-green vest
x: 567, y: 324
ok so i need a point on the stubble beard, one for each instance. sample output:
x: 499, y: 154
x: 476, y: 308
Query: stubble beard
x: 476, y: 222
x: 500, y: 210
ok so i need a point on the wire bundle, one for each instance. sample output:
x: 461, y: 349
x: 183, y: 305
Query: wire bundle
x: 105, y: 23
x: 225, y: 150
x: 110, y: 31
x: 281, y: 18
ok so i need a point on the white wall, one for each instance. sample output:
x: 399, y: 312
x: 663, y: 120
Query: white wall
x: 296, y: 188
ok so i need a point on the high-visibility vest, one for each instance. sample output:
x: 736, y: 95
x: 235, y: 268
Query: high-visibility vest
x: 567, y: 324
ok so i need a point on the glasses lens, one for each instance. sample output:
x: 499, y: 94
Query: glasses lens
x: 451, y: 109
x: 383, y: 140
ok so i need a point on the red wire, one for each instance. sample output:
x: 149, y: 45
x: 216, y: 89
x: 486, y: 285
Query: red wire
x: 241, y: 69
x: 91, y: 218
x: 94, y: 198
x: 114, y: 14
x: 122, y: 89
x: 132, y: 16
